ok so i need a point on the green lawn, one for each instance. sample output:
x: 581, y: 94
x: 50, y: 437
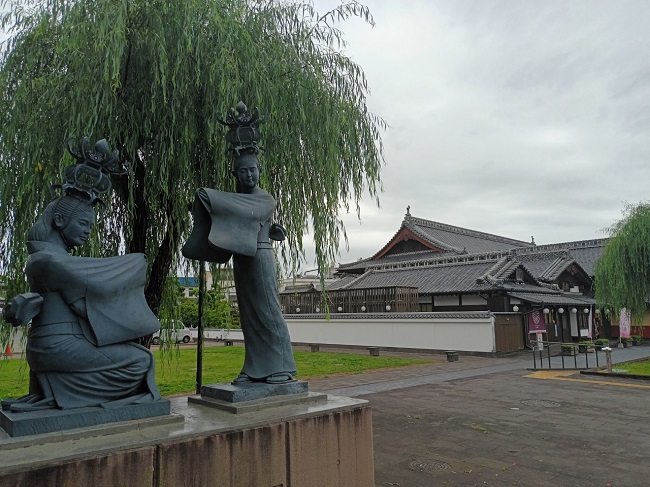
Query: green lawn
x: 176, y: 370
x: 636, y: 368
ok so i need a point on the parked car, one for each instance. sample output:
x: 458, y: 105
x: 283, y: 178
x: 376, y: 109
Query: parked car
x: 177, y: 332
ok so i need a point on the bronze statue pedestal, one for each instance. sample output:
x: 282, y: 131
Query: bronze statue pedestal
x: 56, y: 420
x: 246, y: 398
x: 312, y: 444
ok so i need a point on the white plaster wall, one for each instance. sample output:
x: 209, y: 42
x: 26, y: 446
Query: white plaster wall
x: 463, y: 334
x: 473, y: 299
x: 445, y: 300
x: 219, y: 334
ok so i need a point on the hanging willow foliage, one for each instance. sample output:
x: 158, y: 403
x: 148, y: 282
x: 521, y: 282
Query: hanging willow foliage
x: 622, y: 274
x: 154, y: 77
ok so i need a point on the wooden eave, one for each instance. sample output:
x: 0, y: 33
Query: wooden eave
x: 402, y: 235
x: 575, y: 269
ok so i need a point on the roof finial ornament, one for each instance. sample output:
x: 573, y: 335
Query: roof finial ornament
x: 408, y: 210
x: 532, y: 240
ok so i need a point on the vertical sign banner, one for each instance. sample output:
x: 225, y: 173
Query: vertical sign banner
x: 624, y: 324
x: 536, y: 322
x: 590, y: 325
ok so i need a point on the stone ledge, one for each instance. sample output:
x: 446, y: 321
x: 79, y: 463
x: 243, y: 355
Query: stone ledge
x: 281, y: 445
x: 249, y: 391
x: 259, y: 404
x: 53, y: 420
x: 8, y: 443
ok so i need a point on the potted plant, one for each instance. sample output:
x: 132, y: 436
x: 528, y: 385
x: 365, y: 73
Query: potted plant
x: 601, y: 343
x: 637, y: 339
x: 586, y: 346
x: 627, y: 342
x: 569, y: 349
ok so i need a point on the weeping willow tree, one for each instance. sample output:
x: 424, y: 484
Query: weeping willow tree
x: 622, y: 274
x: 154, y: 77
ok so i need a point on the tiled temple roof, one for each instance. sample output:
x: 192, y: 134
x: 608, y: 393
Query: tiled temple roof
x: 469, y: 261
x: 458, y: 239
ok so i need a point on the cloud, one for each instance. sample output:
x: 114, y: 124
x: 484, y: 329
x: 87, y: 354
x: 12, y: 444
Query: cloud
x: 514, y: 118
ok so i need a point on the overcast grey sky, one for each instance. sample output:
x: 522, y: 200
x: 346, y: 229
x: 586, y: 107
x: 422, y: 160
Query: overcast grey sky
x: 511, y: 117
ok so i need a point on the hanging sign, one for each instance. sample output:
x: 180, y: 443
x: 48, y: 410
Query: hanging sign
x: 536, y: 322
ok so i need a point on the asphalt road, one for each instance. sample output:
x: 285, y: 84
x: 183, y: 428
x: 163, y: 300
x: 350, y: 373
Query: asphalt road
x: 490, y: 421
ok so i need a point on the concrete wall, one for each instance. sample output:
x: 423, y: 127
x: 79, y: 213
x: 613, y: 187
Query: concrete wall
x: 464, y: 333
x: 219, y: 334
x: 326, y: 451
x: 329, y: 449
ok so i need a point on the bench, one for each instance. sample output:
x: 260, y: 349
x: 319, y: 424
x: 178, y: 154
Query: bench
x: 374, y: 351
x: 452, y: 356
x: 228, y: 343
x: 314, y: 347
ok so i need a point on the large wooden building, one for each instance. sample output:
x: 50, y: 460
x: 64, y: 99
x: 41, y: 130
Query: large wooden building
x: 433, y: 267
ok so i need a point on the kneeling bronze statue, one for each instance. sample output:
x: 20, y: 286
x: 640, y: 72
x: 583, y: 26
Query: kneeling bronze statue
x: 86, y: 313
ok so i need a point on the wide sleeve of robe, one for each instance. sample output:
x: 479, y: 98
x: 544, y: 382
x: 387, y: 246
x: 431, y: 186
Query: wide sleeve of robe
x: 226, y: 224
x: 113, y: 288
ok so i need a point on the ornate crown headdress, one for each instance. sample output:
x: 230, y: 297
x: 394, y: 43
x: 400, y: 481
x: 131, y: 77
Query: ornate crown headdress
x: 90, y: 177
x: 244, y: 133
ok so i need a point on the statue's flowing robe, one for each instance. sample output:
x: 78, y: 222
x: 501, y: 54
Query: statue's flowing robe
x: 79, y: 349
x: 238, y: 224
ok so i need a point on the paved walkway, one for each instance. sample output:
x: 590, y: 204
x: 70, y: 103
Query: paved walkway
x: 492, y: 421
x: 383, y: 380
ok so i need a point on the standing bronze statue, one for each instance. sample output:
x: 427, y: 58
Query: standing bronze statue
x: 240, y: 225
x: 85, y: 312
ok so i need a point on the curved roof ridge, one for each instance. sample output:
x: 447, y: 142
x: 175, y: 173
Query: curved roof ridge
x: 429, y: 238
x: 574, y: 244
x: 556, y: 267
x: 356, y: 262
x: 544, y: 253
x: 464, y: 231
x: 494, y: 273
x: 389, y: 267
x: 348, y: 284
x: 446, y: 260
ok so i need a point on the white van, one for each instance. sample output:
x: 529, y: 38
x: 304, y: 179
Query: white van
x: 177, y: 332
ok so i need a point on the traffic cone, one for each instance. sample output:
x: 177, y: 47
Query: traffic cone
x: 8, y: 351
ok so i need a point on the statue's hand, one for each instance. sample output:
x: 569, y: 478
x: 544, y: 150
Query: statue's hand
x: 277, y: 232
x: 22, y: 308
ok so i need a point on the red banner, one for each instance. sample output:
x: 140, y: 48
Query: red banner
x: 536, y: 322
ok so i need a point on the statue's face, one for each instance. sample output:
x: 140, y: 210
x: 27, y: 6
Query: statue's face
x: 248, y: 173
x: 77, y: 230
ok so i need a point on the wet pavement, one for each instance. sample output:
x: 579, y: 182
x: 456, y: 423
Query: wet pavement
x: 492, y: 421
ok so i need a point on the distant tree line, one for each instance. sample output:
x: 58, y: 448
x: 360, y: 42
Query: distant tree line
x: 218, y: 312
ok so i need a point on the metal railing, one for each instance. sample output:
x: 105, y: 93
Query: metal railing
x: 573, y: 355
